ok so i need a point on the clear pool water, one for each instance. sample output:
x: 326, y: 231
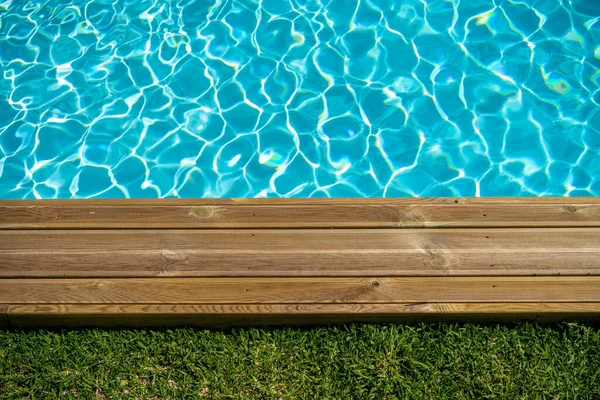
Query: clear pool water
x: 299, y: 98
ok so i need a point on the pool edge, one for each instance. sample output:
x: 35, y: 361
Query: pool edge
x: 358, y: 260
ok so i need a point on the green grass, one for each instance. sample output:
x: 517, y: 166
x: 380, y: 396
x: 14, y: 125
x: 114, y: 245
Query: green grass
x: 354, y: 361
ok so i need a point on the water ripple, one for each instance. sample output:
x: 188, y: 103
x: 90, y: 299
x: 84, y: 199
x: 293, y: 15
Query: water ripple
x: 299, y: 98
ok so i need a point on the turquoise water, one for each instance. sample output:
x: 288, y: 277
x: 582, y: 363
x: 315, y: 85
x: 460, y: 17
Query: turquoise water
x: 299, y: 98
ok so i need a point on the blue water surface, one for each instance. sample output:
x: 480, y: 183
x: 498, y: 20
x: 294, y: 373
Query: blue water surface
x: 299, y: 98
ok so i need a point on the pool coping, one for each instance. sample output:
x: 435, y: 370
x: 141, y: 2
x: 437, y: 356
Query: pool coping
x: 222, y: 262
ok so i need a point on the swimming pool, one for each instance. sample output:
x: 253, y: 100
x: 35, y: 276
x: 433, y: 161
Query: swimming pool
x: 299, y: 98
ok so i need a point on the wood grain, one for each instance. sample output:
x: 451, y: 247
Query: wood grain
x: 271, y: 261
x: 299, y: 290
x: 300, y: 213
x: 221, y: 315
x: 340, y: 252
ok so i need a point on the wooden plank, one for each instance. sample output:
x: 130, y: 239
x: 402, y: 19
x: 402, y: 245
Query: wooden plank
x: 300, y: 213
x: 340, y: 252
x: 299, y: 290
x: 130, y: 263
x: 219, y: 315
x: 289, y: 239
x: 4, y: 322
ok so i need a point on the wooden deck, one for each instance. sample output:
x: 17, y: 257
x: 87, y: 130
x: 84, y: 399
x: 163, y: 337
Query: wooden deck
x: 220, y: 262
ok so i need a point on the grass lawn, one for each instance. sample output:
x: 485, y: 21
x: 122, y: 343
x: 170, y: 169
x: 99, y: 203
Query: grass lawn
x: 344, y: 362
